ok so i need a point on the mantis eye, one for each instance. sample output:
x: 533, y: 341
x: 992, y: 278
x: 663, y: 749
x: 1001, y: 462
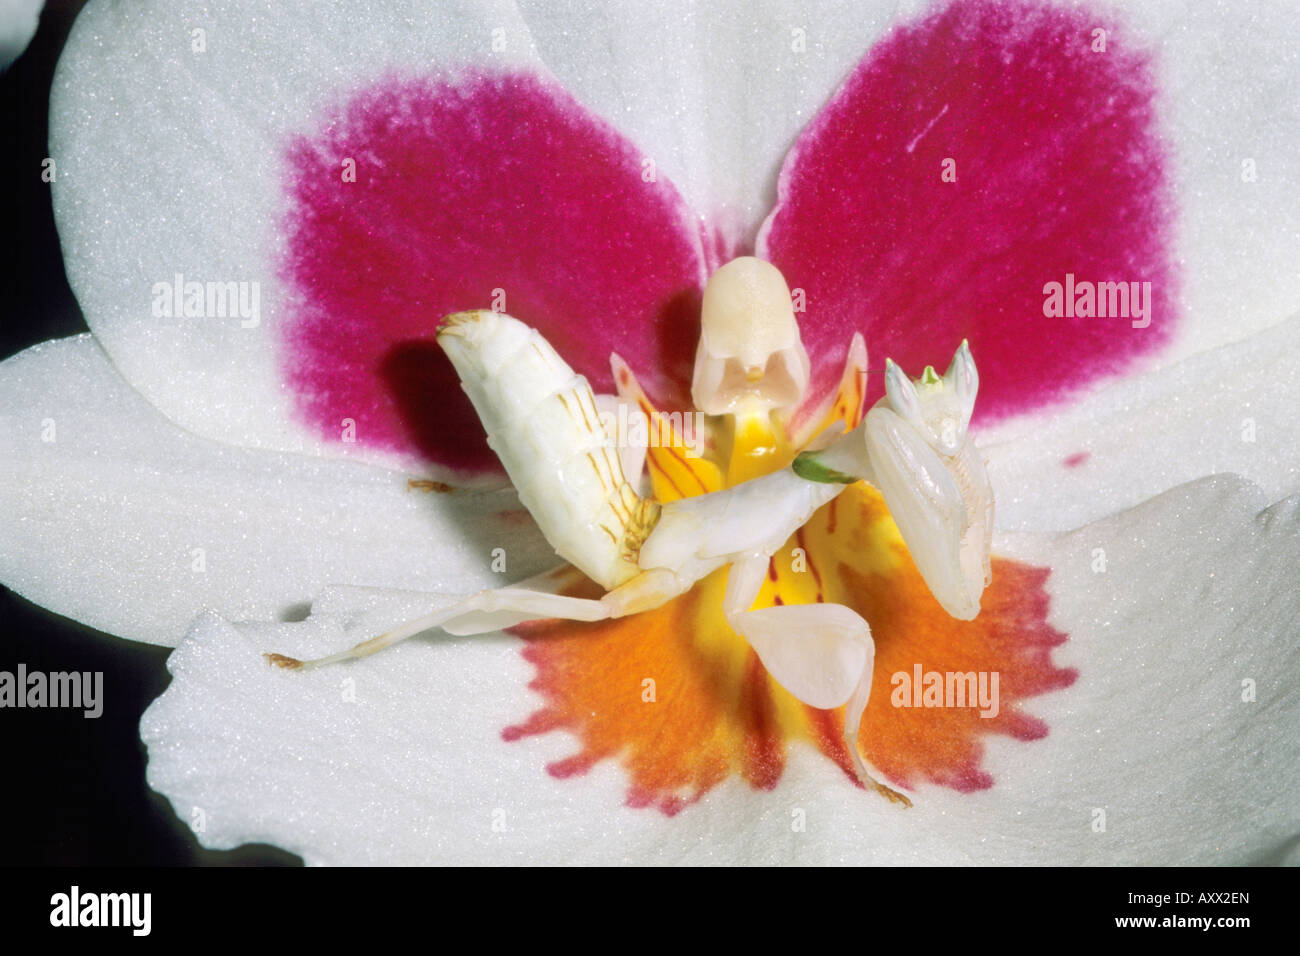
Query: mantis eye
x: 750, y: 355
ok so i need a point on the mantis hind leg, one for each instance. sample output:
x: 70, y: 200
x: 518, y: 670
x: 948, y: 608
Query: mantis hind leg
x: 821, y: 653
x: 483, y: 612
x: 489, y: 611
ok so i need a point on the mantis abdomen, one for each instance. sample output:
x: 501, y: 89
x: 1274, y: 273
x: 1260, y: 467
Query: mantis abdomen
x: 542, y: 422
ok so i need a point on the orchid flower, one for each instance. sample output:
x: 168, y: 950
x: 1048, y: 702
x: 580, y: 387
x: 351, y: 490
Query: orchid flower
x: 265, y: 211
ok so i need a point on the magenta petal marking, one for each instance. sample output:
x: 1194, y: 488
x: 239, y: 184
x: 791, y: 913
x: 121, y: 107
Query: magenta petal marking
x: 1059, y: 170
x: 490, y: 191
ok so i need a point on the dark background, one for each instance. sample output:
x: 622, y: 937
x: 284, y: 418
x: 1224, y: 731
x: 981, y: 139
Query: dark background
x: 74, y: 789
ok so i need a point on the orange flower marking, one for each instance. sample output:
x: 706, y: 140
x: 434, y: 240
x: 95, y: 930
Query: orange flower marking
x: 868, y: 569
x: 682, y: 702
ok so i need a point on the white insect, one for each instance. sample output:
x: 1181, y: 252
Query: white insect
x: 542, y: 421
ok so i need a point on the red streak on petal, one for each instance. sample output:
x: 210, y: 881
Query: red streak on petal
x: 826, y: 727
x: 1077, y: 459
x: 764, y: 754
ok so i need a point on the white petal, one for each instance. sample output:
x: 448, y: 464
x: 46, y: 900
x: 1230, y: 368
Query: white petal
x: 1230, y: 410
x: 413, y: 778
x: 1198, y: 596
x: 1230, y: 81
x: 109, y: 508
x: 714, y: 92
x: 18, y: 19
x: 170, y: 163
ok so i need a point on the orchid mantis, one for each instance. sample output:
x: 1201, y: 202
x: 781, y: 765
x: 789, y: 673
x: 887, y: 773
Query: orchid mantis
x: 542, y: 420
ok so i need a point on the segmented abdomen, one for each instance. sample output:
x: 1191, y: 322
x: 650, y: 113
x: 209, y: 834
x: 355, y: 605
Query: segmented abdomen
x: 542, y: 422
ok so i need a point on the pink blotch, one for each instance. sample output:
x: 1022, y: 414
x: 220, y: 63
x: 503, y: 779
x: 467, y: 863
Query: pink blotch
x: 463, y: 188
x: 1077, y: 459
x: 1059, y: 168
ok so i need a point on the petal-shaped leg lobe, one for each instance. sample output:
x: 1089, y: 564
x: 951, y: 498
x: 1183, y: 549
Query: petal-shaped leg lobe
x: 817, y: 652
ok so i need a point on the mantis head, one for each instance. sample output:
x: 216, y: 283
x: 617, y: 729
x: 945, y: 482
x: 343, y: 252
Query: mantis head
x: 914, y: 447
x: 938, y: 408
